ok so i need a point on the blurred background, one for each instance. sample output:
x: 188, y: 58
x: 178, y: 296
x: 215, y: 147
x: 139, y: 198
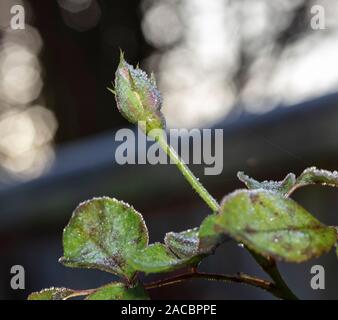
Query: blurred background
x: 255, y: 68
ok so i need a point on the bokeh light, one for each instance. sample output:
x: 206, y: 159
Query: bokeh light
x: 162, y: 19
x: 226, y: 57
x: 20, y: 74
x: 27, y: 128
x: 80, y: 15
x: 75, y: 6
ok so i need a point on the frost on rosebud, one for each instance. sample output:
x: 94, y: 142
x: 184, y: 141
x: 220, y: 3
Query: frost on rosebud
x: 137, y: 97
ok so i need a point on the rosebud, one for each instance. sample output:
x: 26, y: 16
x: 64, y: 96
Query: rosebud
x: 137, y: 97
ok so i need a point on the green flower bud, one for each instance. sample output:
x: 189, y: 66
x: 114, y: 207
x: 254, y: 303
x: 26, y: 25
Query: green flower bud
x: 137, y: 97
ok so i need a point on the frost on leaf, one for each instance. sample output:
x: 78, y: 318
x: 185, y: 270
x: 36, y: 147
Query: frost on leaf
x: 118, y: 291
x: 183, y: 244
x: 290, y: 183
x: 157, y: 258
x: 52, y: 294
x: 269, y: 224
x: 318, y: 176
x: 101, y: 233
x: 277, y: 186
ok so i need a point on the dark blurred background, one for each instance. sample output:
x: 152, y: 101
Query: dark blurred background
x: 255, y: 68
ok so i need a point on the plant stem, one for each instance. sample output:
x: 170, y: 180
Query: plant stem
x: 189, y: 176
x: 240, y: 278
x: 270, y: 267
x: 280, y: 289
x: 277, y: 278
x: 294, y: 188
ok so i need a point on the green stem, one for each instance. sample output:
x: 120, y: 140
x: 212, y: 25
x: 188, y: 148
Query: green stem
x: 281, y: 289
x: 189, y: 176
x: 270, y: 267
x: 281, y: 284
